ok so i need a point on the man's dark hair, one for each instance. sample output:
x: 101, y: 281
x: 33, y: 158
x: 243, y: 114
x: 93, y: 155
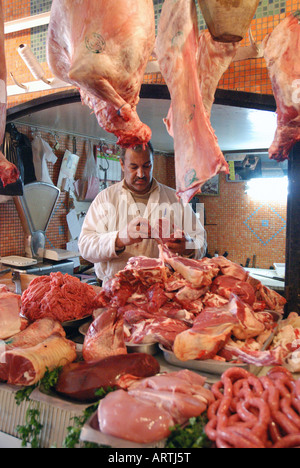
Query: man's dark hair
x: 137, y: 148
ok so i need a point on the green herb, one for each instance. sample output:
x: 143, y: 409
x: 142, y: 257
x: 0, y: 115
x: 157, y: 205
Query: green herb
x: 190, y: 436
x: 24, y: 394
x: 30, y: 432
x: 50, y: 379
x: 73, y: 432
x: 32, y: 428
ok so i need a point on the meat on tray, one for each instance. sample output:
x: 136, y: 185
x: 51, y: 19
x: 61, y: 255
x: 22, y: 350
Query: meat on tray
x: 199, y: 309
x: 149, y: 408
x: 80, y: 380
x: 59, y: 296
x: 105, y: 336
x: 27, y: 366
x: 10, y: 319
x: 281, y: 52
x: 103, y: 48
x: 34, y: 334
x: 255, y: 412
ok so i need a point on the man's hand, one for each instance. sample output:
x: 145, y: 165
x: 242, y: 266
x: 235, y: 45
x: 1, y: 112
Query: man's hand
x: 137, y: 230
x: 178, y: 243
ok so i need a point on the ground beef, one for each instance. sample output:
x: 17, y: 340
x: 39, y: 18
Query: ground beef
x: 60, y: 296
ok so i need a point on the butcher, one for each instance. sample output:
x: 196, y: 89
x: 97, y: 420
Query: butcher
x: 132, y: 217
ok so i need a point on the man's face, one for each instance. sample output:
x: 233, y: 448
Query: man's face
x: 138, y: 169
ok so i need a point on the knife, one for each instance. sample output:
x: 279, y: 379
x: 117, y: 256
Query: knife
x: 277, y: 278
x: 17, y: 280
x: 4, y: 271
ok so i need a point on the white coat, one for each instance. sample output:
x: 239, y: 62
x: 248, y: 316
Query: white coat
x: 113, y: 208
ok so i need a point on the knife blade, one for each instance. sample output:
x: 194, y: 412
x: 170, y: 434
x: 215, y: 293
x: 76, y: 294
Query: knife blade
x: 277, y: 278
x: 17, y: 280
x: 4, y: 271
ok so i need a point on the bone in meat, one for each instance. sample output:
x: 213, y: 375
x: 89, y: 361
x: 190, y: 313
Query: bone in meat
x: 8, y: 171
x: 198, y: 156
x: 281, y: 52
x: 102, y: 47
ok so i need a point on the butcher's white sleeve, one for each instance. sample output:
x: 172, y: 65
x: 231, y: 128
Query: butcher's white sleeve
x: 96, y: 242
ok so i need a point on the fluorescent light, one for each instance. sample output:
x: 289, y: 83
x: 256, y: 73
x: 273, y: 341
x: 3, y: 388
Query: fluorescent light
x: 268, y: 189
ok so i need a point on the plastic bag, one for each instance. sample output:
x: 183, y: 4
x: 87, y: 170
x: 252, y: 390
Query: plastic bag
x: 42, y: 153
x: 87, y: 188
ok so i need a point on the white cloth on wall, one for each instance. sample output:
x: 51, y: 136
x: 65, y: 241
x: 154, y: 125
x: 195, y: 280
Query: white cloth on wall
x: 41, y: 153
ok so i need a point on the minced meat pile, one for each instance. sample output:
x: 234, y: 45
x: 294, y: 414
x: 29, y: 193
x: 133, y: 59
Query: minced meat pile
x: 60, y: 296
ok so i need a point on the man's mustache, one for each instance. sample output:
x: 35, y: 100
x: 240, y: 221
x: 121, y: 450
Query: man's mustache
x: 138, y: 179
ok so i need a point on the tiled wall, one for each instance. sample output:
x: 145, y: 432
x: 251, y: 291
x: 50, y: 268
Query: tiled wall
x: 234, y: 222
x: 244, y: 227
x: 247, y: 75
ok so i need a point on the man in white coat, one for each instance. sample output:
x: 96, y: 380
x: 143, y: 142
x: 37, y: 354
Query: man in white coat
x: 122, y: 220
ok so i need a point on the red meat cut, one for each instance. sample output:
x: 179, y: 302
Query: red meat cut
x: 281, y: 52
x: 198, y: 156
x: 102, y: 47
x: 59, y: 296
x: 8, y: 171
x: 105, y: 337
x: 80, y: 380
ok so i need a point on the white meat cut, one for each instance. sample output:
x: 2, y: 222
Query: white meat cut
x: 102, y: 47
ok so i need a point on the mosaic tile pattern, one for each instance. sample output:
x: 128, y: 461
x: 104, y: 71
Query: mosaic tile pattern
x: 267, y: 228
x: 270, y: 8
x: 39, y: 34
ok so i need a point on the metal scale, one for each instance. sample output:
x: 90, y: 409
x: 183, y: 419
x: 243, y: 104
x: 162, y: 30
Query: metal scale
x: 35, y: 209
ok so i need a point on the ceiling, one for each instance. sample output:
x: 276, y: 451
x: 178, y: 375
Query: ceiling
x: 237, y: 128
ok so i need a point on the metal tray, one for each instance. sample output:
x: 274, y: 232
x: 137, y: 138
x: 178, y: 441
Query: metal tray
x: 209, y: 366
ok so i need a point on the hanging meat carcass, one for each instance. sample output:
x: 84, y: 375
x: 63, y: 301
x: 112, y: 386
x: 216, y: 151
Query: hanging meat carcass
x: 8, y: 171
x: 214, y: 59
x: 281, y: 52
x: 198, y: 156
x: 102, y: 47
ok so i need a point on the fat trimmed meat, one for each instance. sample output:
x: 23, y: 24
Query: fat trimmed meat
x: 102, y: 47
x: 34, y: 334
x: 27, y: 366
